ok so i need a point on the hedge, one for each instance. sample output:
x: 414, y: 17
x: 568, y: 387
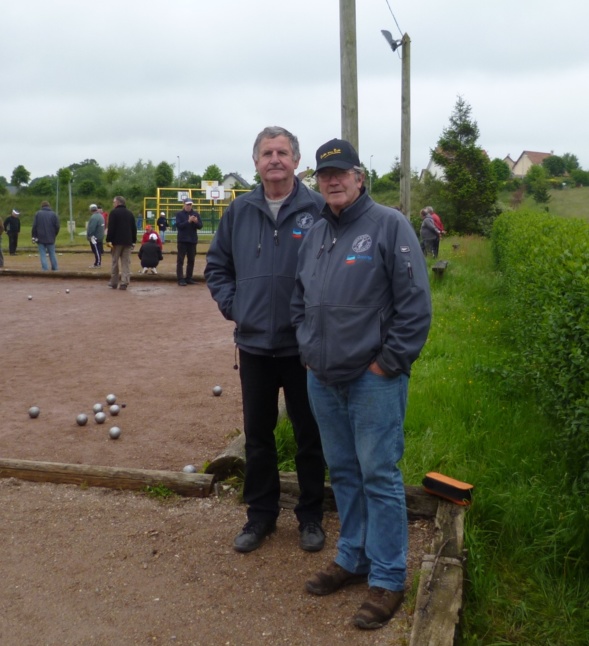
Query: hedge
x: 544, y: 261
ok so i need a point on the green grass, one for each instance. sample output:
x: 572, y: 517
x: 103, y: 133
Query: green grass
x: 471, y: 416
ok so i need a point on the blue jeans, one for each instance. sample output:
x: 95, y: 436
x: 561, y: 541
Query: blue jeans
x: 361, y: 426
x: 45, y: 249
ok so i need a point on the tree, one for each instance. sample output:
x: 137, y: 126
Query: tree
x: 536, y: 183
x: 164, y: 174
x: 42, y: 186
x: 580, y: 177
x: 20, y: 176
x: 470, y: 187
x: 554, y: 165
x: 501, y: 170
x: 212, y: 173
x: 571, y: 162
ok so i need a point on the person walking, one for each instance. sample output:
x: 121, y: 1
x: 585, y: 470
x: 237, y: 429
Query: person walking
x: 44, y: 231
x: 188, y: 221
x: 162, y: 225
x: 430, y: 234
x: 122, y: 235
x: 439, y: 225
x: 12, y: 228
x: 250, y: 273
x: 95, y: 235
x: 361, y: 307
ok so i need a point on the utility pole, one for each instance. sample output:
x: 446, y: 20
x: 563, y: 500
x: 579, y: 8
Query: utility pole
x: 349, y: 72
x: 405, y: 187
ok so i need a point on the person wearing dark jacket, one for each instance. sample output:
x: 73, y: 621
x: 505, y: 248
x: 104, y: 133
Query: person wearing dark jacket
x: 44, y: 231
x: 361, y: 307
x: 122, y: 235
x: 250, y: 273
x: 150, y: 254
x: 12, y: 228
x: 188, y: 221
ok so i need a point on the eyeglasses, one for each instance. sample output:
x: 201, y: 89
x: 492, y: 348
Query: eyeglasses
x: 328, y: 174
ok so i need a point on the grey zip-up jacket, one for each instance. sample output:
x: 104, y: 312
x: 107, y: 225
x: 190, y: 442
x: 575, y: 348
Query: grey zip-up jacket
x: 361, y: 294
x: 251, y: 266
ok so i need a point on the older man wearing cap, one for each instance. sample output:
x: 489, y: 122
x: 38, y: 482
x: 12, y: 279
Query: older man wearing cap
x: 188, y: 221
x: 12, y: 228
x: 362, y: 311
x: 95, y: 235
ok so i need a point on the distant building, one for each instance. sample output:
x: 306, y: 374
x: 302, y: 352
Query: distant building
x: 307, y: 178
x: 526, y: 160
x: 232, y: 179
x: 509, y: 162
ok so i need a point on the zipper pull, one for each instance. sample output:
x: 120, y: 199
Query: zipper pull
x: 276, y: 237
x: 320, y: 251
x: 410, y: 270
x: 259, y: 250
x: 332, y: 245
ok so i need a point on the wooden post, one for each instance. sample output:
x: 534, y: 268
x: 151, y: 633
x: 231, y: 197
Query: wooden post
x: 349, y: 72
x: 405, y: 181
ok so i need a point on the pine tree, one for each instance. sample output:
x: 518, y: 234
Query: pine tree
x: 470, y: 187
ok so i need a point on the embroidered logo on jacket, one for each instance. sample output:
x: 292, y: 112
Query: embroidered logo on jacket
x: 305, y: 220
x: 362, y: 243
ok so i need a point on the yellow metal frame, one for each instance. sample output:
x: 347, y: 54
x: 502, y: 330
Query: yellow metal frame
x: 169, y: 200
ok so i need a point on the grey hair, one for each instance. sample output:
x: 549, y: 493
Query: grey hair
x: 271, y: 132
x: 119, y: 199
x: 429, y: 209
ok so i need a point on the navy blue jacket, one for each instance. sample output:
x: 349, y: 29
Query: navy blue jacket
x: 187, y: 231
x: 251, y: 266
x: 362, y: 293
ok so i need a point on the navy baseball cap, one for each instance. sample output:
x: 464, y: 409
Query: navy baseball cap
x: 337, y: 153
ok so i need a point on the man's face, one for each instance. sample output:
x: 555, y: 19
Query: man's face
x: 339, y: 188
x: 275, y: 161
x: 187, y: 206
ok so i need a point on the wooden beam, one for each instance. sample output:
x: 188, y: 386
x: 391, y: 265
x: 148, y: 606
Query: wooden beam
x: 195, y: 485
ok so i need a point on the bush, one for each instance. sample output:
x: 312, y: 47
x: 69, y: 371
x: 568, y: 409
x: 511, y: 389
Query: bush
x: 545, y: 264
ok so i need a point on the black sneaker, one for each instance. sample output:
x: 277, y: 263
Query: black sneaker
x: 182, y: 283
x: 189, y: 281
x: 252, y: 535
x: 312, y: 538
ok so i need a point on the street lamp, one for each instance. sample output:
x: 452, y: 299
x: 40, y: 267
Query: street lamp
x: 405, y: 183
x: 370, y: 176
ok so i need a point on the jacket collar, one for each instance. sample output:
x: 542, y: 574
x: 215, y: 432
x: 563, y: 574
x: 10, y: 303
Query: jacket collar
x: 350, y: 213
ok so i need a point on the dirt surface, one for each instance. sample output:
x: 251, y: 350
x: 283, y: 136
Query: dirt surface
x: 96, y: 566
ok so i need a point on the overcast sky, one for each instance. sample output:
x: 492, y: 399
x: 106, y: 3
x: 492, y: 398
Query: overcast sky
x: 193, y: 82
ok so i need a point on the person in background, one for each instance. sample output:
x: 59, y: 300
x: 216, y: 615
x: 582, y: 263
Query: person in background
x: 430, y: 234
x: 438, y: 222
x: 148, y: 233
x: 122, y: 235
x: 12, y: 228
x: 362, y: 310
x: 1, y: 252
x: 44, y: 231
x: 150, y: 254
x: 250, y: 274
x: 162, y: 225
x: 95, y: 235
x: 188, y: 221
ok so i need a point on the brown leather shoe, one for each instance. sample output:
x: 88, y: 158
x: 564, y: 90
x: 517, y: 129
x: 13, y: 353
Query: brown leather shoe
x: 378, y: 608
x: 332, y: 579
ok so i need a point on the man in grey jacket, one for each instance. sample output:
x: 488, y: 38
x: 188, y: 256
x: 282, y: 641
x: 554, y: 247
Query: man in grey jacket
x: 44, y: 231
x: 95, y: 234
x: 250, y: 273
x: 362, y: 311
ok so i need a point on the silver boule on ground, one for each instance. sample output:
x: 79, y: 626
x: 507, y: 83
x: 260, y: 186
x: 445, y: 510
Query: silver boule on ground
x: 114, y: 432
x: 34, y: 411
x: 82, y: 419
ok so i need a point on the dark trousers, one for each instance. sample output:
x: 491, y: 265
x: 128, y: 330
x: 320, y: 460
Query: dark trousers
x: 185, y: 250
x: 261, y: 379
x: 98, y: 251
x: 12, y: 242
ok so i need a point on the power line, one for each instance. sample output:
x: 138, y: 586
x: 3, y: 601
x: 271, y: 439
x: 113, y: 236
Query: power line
x: 393, y: 15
